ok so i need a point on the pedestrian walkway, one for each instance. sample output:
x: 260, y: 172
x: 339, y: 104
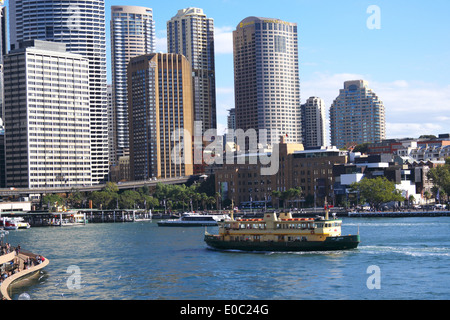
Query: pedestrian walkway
x: 17, y: 263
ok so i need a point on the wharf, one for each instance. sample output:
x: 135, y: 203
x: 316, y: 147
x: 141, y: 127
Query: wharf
x: 78, y: 216
x: 399, y: 214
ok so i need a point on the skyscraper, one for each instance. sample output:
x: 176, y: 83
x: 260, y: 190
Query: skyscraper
x: 313, y: 122
x: 47, y: 119
x: 132, y: 34
x: 191, y: 34
x: 357, y: 116
x: 266, y: 78
x: 80, y: 25
x: 160, y: 108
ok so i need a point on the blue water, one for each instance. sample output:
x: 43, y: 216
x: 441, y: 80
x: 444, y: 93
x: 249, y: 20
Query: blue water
x: 143, y: 261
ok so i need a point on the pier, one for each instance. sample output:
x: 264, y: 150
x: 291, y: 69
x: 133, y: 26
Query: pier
x: 399, y: 214
x: 78, y: 216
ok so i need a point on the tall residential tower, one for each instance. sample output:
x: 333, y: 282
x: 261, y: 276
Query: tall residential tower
x: 313, y: 123
x: 80, y: 25
x: 357, y: 116
x: 132, y: 34
x: 191, y: 34
x: 266, y: 78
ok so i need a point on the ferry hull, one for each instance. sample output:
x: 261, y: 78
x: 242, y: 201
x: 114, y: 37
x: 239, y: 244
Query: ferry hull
x: 331, y: 243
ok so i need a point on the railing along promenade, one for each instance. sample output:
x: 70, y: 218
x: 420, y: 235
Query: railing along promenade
x: 24, y: 263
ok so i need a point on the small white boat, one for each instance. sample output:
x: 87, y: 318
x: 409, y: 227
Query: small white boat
x: 189, y: 219
x: 14, y: 223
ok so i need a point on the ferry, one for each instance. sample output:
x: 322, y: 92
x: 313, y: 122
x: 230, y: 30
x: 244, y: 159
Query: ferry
x: 194, y: 220
x: 282, y: 233
x: 14, y: 223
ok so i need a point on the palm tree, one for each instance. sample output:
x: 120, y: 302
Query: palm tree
x: 277, y: 195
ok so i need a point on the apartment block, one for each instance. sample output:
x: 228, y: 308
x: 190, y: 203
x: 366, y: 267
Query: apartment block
x: 313, y: 123
x: 191, y: 33
x: 132, y: 34
x: 357, y: 116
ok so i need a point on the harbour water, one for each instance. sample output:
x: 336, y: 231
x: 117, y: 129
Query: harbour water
x: 398, y: 258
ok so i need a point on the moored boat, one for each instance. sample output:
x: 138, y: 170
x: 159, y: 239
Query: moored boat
x: 281, y: 233
x: 194, y: 220
x: 14, y: 223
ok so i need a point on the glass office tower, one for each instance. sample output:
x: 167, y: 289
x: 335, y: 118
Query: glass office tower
x: 132, y: 34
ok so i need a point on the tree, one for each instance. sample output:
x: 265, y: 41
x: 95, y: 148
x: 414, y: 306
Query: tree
x: 75, y: 198
x: 277, y: 195
x: 103, y: 199
x: 361, y: 148
x: 111, y: 187
x: 292, y: 193
x: 441, y: 176
x: 53, y: 200
x: 377, y: 191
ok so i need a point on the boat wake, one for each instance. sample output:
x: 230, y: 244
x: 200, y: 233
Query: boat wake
x: 407, y: 251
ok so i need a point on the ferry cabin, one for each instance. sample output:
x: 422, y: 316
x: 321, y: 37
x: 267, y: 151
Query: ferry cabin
x: 280, y: 229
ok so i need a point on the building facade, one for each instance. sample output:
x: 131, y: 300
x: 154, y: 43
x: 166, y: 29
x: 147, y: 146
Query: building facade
x: 311, y: 170
x: 132, y: 34
x: 266, y: 78
x: 160, y: 108
x: 80, y: 25
x: 313, y: 123
x: 357, y: 116
x: 191, y: 34
x: 47, y: 117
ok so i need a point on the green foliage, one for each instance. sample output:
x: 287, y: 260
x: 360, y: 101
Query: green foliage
x: 361, y: 147
x: 377, y: 191
x: 441, y: 176
x: 53, y: 199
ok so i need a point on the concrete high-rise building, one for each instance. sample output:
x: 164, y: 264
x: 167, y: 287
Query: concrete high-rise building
x: 160, y: 108
x: 111, y: 126
x: 266, y: 78
x: 191, y: 34
x: 3, y: 50
x: 132, y: 34
x: 357, y: 116
x: 47, y: 117
x: 231, y: 119
x: 80, y: 25
x: 313, y: 123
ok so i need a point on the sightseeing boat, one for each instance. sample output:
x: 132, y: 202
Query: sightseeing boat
x: 194, y: 220
x: 282, y: 233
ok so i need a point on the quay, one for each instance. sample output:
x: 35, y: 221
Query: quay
x: 16, y: 264
x: 399, y: 214
x: 78, y: 216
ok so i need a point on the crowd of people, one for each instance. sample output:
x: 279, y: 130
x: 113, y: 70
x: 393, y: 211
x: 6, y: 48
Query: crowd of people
x: 19, y: 263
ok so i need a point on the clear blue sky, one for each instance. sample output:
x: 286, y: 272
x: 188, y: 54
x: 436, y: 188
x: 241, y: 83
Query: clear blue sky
x: 407, y: 61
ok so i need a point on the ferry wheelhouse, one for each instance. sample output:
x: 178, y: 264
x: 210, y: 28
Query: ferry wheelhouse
x: 281, y: 233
